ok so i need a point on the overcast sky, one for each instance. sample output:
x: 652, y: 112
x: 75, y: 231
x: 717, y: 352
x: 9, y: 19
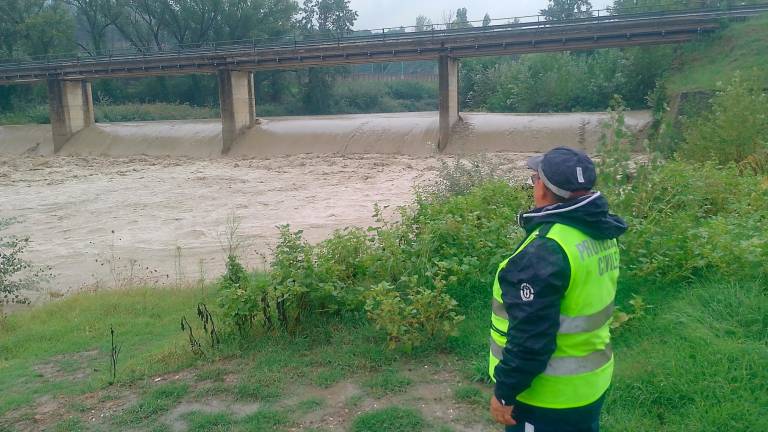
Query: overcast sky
x: 394, y: 13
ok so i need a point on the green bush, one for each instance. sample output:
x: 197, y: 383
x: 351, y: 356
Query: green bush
x: 420, y: 316
x: 16, y: 273
x: 150, y: 112
x: 735, y: 128
x: 686, y: 219
x: 36, y: 114
x: 435, y: 259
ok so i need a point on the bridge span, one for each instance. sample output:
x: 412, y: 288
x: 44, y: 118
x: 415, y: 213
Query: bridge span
x: 71, y: 101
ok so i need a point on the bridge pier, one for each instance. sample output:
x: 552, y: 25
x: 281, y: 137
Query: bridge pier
x: 70, y: 104
x: 238, y: 104
x: 448, y: 88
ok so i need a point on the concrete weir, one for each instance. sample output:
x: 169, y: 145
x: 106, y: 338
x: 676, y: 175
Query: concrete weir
x: 71, y: 109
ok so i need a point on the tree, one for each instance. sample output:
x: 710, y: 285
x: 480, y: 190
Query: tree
x: 423, y: 23
x: 13, y: 15
x: 567, y: 9
x: 486, y: 20
x: 191, y: 21
x: 98, y: 16
x: 324, y: 16
x: 461, y: 19
x: 141, y: 23
x: 52, y: 31
x: 246, y: 19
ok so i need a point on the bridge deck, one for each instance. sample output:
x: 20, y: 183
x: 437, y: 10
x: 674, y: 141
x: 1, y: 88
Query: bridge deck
x: 544, y: 36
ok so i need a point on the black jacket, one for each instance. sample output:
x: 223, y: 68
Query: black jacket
x: 533, y: 323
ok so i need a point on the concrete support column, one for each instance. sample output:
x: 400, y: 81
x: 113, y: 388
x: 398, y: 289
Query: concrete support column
x: 448, y: 74
x: 70, y: 104
x: 238, y: 104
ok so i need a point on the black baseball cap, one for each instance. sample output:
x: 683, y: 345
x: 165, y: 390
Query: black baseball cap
x: 565, y: 170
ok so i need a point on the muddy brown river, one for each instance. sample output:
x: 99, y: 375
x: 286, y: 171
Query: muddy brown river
x: 149, y: 202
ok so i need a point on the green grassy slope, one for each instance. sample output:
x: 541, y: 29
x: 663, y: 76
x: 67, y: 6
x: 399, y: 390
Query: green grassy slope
x: 739, y: 47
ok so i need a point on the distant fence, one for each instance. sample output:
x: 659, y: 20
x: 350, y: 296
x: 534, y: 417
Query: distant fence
x: 388, y: 77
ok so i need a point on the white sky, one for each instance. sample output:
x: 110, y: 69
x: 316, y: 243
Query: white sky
x: 394, y: 13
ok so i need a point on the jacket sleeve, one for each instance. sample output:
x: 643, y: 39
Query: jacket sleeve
x: 533, y: 284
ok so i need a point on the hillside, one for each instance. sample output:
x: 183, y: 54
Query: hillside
x: 740, y: 47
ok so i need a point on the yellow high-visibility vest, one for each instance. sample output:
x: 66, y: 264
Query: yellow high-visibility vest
x: 580, y: 369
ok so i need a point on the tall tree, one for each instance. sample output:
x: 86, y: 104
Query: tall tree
x: 98, y: 16
x: 567, y: 9
x: 324, y: 16
x: 423, y: 23
x: 51, y: 31
x: 461, y: 19
x: 245, y: 19
x: 13, y: 15
x: 486, y: 20
x: 328, y: 15
x: 141, y: 23
x: 191, y: 21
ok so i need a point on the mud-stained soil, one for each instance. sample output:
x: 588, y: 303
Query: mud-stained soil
x: 333, y: 408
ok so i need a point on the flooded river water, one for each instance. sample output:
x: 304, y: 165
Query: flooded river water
x: 149, y: 202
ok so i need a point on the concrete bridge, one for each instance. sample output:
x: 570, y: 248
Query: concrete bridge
x: 71, y: 101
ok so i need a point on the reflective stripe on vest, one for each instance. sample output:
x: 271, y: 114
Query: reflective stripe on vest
x: 568, y: 325
x: 561, y: 366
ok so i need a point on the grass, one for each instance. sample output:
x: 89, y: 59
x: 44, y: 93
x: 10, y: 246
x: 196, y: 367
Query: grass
x: 154, y: 403
x: 386, y: 383
x: 209, y: 422
x: 698, y: 361
x: 145, y: 321
x: 392, y: 419
x: 740, y: 47
x: 265, y: 420
x: 471, y: 395
x: 699, y: 355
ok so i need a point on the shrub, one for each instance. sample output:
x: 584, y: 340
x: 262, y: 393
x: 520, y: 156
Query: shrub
x: 689, y: 218
x: 412, y: 319
x: 16, y: 273
x: 614, y: 147
x: 148, y: 112
x: 411, y: 276
x: 735, y: 128
x: 461, y: 176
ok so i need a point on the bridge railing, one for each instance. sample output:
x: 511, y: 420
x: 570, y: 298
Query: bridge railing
x: 297, y: 41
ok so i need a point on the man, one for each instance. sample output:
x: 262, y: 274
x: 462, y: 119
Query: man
x: 552, y: 303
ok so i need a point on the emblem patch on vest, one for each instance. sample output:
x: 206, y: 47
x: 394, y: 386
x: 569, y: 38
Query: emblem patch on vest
x: 526, y: 292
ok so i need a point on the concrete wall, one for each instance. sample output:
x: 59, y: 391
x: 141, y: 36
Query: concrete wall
x: 238, y: 105
x: 448, y: 87
x: 71, y: 109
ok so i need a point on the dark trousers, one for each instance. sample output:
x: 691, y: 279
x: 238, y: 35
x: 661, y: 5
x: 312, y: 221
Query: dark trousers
x: 581, y: 419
